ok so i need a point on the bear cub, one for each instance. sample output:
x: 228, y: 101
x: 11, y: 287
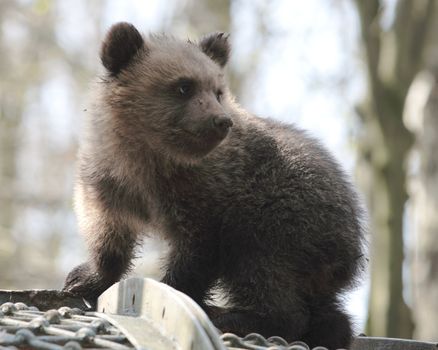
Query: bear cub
x: 248, y: 204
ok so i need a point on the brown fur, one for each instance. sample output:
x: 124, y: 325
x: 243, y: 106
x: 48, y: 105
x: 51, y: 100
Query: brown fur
x: 248, y: 204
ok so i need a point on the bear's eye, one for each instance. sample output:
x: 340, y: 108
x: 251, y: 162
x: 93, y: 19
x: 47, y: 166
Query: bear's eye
x: 185, y: 87
x: 219, y: 94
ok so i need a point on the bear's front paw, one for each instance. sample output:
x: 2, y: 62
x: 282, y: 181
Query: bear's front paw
x: 83, y: 280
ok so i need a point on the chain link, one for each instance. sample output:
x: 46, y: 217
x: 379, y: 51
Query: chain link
x: 63, y: 329
x: 255, y: 341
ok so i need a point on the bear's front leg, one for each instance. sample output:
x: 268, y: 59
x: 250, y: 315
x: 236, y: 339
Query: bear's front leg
x: 192, y: 268
x: 111, y: 243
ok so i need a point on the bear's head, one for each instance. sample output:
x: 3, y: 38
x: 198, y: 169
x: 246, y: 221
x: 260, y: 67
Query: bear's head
x: 165, y: 93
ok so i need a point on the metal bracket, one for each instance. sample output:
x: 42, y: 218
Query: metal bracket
x: 173, y: 315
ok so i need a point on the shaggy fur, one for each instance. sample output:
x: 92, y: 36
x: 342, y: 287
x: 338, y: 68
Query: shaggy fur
x: 254, y: 206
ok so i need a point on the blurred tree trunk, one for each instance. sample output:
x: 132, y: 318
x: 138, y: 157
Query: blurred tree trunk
x: 393, y: 57
x: 206, y: 16
x: 10, y: 118
x: 422, y: 118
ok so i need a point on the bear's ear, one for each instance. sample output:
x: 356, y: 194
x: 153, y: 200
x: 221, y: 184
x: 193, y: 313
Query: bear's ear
x: 121, y: 43
x: 217, y: 47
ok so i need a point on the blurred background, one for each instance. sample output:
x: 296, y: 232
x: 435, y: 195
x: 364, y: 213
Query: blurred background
x: 362, y: 75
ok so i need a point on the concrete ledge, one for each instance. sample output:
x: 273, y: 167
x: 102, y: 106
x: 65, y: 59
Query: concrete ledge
x: 44, y: 299
x: 375, y: 343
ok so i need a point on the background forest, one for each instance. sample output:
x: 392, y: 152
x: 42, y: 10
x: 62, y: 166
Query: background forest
x: 362, y: 75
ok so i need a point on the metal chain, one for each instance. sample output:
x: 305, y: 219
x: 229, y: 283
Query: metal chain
x: 255, y: 341
x: 66, y: 328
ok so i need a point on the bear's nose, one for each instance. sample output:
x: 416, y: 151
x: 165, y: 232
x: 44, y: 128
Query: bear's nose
x: 222, y: 122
